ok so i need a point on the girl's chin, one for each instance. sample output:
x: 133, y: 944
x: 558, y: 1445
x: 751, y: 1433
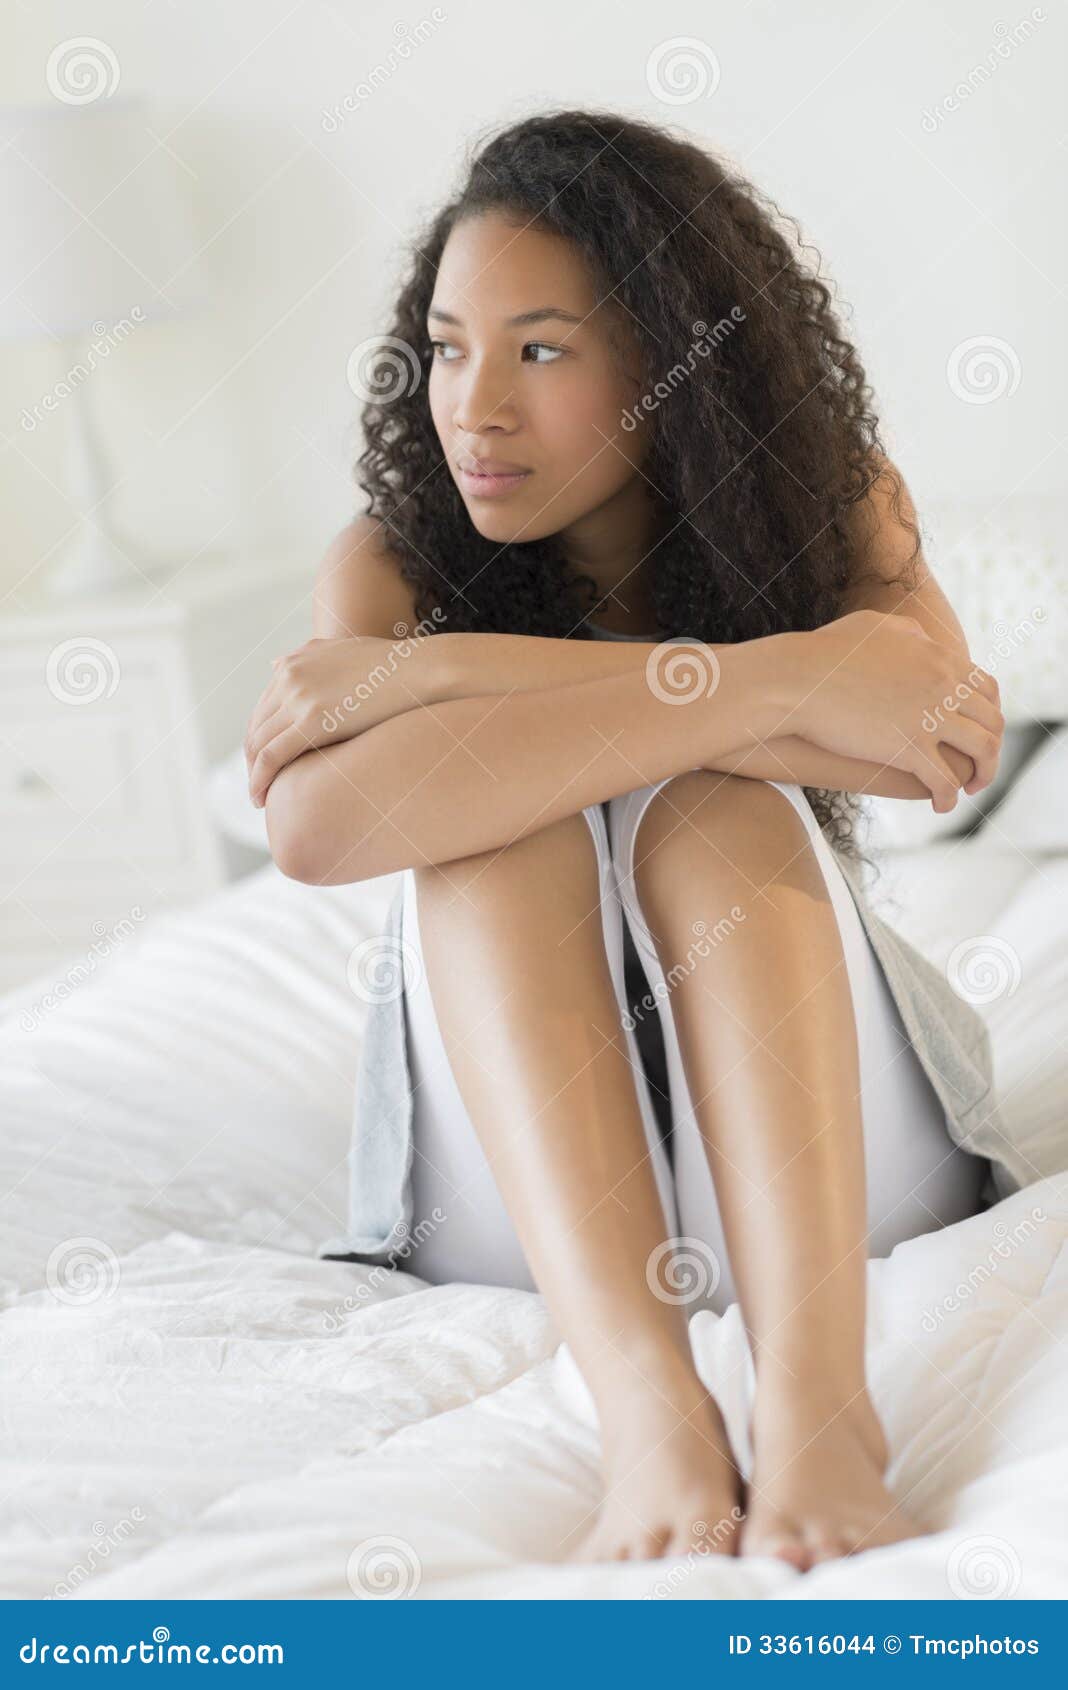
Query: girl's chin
x: 507, y: 527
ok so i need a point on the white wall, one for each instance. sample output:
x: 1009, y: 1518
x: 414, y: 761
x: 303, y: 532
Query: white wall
x: 235, y: 427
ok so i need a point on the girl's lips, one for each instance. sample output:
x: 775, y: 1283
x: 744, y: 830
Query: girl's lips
x: 488, y: 486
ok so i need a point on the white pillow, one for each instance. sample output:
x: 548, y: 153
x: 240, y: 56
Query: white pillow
x: 1034, y: 814
x: 1002, y: 564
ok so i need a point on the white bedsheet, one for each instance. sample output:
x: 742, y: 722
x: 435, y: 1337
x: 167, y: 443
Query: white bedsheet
x: 208, y: 1410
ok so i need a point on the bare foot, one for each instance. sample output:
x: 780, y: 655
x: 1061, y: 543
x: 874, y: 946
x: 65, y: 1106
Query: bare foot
x: 818, y: 1490
x: 671, y: 1485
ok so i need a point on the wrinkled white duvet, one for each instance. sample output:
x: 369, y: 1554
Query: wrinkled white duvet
x: 193, y: 1405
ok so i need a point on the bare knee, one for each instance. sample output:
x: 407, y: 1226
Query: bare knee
x: 706, y: 831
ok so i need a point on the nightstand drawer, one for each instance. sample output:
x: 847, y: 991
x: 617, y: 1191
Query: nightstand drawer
x: 111, y: 706
x: 87, y: 782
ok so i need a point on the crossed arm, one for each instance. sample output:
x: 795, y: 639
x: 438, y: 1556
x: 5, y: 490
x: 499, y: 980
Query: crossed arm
x: 458, y: 743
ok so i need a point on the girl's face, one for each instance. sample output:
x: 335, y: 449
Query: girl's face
x: 528, y: 384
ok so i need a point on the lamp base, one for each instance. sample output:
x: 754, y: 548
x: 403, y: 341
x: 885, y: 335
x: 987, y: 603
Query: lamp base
x: 93, y: 563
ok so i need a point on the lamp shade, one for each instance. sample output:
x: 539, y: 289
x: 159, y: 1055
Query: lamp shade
x: 93, y: 220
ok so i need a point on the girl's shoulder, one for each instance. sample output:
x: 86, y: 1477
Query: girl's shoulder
x: 359, y: 588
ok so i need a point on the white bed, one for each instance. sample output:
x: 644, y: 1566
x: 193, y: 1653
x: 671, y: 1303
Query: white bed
x: 194, y: 1405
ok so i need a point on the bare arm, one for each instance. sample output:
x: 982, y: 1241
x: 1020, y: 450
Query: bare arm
x: 473, y: 774
x: 441, y: 774
x: 446, y: 774
x: 487, y: 665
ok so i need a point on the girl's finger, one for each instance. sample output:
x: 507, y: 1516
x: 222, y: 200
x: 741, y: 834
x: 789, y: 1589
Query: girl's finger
x: 976, y: 742
x: 929, y: 765
x: 274, y: 756
x: 269, y: 728
x: 265, y: 706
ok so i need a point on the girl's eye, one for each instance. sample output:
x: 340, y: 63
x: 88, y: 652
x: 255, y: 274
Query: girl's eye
x: 440, y: 347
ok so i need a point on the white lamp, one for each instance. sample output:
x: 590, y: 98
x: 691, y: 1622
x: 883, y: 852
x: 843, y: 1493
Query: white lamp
x: 93, y: 235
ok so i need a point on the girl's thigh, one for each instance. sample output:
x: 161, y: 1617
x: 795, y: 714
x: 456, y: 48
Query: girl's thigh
x: 452, y: 1176
x: 917, y: 1178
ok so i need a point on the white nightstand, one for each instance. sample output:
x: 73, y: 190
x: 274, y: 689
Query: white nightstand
x: 112, y: 709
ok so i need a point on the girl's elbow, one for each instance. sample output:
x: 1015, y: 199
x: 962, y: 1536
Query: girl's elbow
x: 304, y: 848
x: 289, y: 842
x: 293, y: 838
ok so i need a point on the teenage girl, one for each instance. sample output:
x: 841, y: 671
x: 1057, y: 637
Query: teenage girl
x: 617, y: 403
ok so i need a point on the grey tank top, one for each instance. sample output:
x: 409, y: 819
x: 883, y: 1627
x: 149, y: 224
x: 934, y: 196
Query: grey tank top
x: 948, y: 1035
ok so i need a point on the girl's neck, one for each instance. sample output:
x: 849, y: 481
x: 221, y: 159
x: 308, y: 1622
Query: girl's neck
x: 614, y: 546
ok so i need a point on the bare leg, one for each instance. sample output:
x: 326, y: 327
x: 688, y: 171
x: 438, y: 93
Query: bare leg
x: 768, y: 1043
x: 523, y: 995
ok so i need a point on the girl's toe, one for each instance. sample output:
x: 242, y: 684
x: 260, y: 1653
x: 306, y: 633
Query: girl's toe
x: 780, y: 1545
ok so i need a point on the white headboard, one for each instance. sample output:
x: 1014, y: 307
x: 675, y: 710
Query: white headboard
x: 1003, y: 565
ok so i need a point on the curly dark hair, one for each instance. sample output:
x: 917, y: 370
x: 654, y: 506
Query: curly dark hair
x: 756, y: 470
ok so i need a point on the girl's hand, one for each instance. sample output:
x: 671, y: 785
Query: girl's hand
x: 875, y: 686
x: 325, y: 692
